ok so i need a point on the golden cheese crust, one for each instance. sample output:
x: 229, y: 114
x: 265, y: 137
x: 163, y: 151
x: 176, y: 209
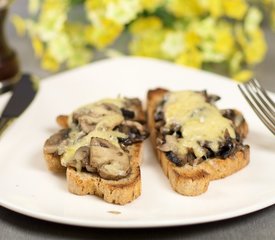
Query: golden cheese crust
x: 193, y: 180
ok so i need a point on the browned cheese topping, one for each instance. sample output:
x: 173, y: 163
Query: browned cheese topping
x: 98, y: 137
x: 192, y: 129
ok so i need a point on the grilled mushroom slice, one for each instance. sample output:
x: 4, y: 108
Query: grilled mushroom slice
x: 135, y: 131
x: 82, y: 154
x: 51, y: 145
x: 109, y: 160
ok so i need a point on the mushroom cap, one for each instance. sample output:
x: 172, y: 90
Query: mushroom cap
x: 110, y: 161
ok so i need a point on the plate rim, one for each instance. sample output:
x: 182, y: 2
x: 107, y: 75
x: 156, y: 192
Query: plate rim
x: 123, y: 224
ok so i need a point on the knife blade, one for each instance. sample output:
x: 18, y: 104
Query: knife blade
x: 23, y: 94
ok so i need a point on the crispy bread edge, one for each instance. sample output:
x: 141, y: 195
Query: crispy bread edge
x: 193, y: 180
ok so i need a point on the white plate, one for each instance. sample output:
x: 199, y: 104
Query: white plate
x: 26, y: 186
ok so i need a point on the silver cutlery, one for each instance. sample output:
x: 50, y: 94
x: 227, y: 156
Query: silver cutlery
x: 260, y: 102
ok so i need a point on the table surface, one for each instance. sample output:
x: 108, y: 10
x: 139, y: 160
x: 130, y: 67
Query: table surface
x: 257, y: 225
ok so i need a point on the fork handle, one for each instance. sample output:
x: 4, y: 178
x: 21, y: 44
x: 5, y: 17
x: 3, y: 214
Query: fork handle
x: 4, y: 123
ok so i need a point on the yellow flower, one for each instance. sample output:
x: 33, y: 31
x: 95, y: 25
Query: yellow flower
x: 55, y: 6
x: 19, y: 24
x: 235, y: 8
x: 216, y: 8
x: 79, y: 56
x: 151, y: 5
x: 37, y: 46
x: 240, y: 34
x: 173, y: 44
x: 235, y: 62
x: 192, y: 58
x: 145, y: 24
x: 204, y: 28
x: 49, y: 62
x: 121, y: 11
x: 255, y: 48
x: 95, y: 10
x: 51, y: 19
x: 148, y: 44
x: 33, y: 6
x: 243, y: 76
x: 181, y: 8
x: 94, y: 5
x: 209, y: 53
x: 104, y: 34
x: 76, y: 33
x: 224, y: 43
x: 60, y: 47
x: 192, y: 39
x: 253, y: 19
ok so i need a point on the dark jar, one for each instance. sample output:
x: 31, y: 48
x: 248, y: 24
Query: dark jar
x: 9, y: 66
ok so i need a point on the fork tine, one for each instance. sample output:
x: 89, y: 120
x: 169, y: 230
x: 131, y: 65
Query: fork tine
x: 256, y: 94
x: 259, y: 104
x: 256, y: 83
x: 269, y: 124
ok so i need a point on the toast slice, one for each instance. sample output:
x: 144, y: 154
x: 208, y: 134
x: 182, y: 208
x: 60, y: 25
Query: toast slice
x: 193, y: 178
x: 102, y: 175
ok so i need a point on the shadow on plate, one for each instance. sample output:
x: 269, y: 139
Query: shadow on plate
x: 261, y: 140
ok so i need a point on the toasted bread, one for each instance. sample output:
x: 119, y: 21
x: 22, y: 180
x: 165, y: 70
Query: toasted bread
x: 118, y: 191
x: 194, y: 180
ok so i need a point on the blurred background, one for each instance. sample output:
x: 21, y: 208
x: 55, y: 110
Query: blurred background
x: 234, y: 38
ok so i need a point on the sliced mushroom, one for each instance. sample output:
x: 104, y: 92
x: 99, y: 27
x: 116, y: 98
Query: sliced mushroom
x: 173, y: 129
x: 134, y: 130
x: 82, y: 154
x: 109, y: 122
x: 210, y: 98
x: 82, y: 158
x: 80, y: 112
x: 133, y: 104
x: 174, y: 158
x: 170, y: 144
x: 110, y: 161
x: 233, y: 115
x: 227, y: 147
x: 238, y: 121
x: 111, y: 107
x: 209, y: 153
x: 127, y: 114
x: 52, y: 144
x: 134, y: 124
x: 87, y: 123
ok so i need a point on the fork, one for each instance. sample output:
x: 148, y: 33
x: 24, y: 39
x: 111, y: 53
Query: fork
x: 260, y: 102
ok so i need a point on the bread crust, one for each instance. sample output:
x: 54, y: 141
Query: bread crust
x: 121, y: 191
x: 193, y: 180
x: 53, y: 162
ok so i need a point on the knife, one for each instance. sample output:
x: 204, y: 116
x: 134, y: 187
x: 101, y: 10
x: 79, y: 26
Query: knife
x: 23, y: 94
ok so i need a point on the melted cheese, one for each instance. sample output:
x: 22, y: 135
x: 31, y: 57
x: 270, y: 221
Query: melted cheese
x: 119, y: 102
x: 97, y: 108
x: 200, y: 121
x: 105, y: 121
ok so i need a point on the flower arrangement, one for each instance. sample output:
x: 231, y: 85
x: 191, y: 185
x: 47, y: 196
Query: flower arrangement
x: 223, y: 36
